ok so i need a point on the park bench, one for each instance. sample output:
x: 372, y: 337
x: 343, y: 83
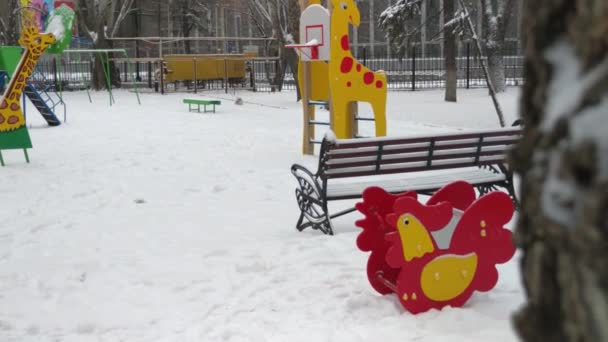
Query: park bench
x: 204, y: 103
x: 397, y: 164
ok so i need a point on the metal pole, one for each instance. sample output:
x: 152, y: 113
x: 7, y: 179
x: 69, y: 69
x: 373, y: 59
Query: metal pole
x: 195, y: 76
x: 162, y: 77
x: 413, y: 68
x: 468, y: 65
x: 150, y: 75
x: 226, y: 74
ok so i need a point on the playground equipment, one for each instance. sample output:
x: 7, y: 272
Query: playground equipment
x: 437, y: 254
x: 13, y: 131
x: 205, y: 68
x: 339, y: 79
x: 104, y: 57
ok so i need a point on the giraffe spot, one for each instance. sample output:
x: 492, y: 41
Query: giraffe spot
x: 21, y: 78
x: 13, y: 119
x: 2, y: 119
x: 14, y: 108
x: 379, y: 84
x: 368, y: 78
x: 3, y: 105
x: 345, y: 44
x: 349, y: 84
x: 358, y: 67
x: 347, y: 65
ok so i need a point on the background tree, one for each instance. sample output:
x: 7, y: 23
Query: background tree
x: 496, y: 15
x: 191, y: 17
x: 9, y: 25
x: 100, y: 20
x: 563, y: 161
x: 283, y: 19
x: 402, y: 23
x: 449, y: 48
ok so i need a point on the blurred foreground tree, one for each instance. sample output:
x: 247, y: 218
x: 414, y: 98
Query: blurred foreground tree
x: 563, y: 163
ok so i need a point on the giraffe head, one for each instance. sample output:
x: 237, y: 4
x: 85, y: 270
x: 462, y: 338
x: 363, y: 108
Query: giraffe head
x: 36, y: 42
x: 347, y: 10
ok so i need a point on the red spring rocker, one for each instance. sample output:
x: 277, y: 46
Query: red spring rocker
x: 435, y: 254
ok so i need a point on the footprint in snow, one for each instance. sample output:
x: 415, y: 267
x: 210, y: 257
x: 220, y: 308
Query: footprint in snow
x: 218, y: 188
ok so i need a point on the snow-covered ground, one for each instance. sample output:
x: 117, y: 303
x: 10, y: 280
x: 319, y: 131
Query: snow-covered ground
x: 148, y: 223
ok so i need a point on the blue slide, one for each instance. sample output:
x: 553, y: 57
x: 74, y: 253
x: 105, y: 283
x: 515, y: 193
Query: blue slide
x: 39, y: 102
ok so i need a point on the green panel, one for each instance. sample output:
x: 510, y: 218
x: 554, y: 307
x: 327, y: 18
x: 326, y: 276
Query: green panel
x: 17, y: 139
x: 9, y: 58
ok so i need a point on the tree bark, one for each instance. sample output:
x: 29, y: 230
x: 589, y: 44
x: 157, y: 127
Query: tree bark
x: 449, y: 45
x: 496, y: 66
x: 496, y: 17
x: 10, y: 27
x: 562, y: 159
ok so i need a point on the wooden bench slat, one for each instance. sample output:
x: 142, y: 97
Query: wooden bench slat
x: 422, y: 157
x: 203, y: 102
x: 358, y: 143
x: 399, y: 168
x: 412, y: 182
x: 441, y: 154
x: 372, y: 151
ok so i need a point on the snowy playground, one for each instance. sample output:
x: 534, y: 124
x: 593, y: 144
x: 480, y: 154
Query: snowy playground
x: 149, y: 218
x: 151, y: 223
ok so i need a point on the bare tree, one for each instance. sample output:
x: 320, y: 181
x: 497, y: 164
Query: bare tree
x: 100, y: 20
x: 192, y: 16
x: 563, y: 161
x: 449, y: 47
x: 283, y: 18
x: 401, y: 21
x: 496, y: 17
x: 9, y: 26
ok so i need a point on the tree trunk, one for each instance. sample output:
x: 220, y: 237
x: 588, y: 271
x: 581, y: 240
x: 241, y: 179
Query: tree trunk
x: 11, y: 27
x: 449, y: 45
x: 100, y: 67
x: 563, y: 162
x: 496, y: 67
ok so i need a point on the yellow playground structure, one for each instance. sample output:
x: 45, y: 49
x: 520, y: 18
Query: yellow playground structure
x: 330, y: 75
x: 231, y: 67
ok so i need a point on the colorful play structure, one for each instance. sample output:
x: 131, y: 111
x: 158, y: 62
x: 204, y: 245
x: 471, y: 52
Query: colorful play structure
x: 436, y: 254
x: 329, y: 74
x: 21, y: 65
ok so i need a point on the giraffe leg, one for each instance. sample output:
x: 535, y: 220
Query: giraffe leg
x: 379, y: 107
x: 342, y: 119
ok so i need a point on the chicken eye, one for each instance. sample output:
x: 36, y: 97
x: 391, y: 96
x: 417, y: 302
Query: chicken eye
x: 343, y: 5
x: 406, y: 221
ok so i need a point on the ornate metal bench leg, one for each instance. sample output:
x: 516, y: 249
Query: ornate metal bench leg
x: 311, y: 201
x: 312, y: 212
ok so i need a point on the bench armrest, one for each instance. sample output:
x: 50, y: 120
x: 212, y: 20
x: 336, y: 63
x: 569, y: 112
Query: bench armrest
x: 304, y: 176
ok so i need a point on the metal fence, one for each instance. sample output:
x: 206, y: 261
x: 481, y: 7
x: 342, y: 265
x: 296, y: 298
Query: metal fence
x: 412, y: 72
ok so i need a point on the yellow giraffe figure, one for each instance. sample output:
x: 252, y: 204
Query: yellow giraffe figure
x: 349, y: 80
x: 13, y: 132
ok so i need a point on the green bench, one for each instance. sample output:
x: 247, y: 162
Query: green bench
x: 204, y: 103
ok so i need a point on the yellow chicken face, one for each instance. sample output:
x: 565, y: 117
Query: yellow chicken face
x: 415, y: 239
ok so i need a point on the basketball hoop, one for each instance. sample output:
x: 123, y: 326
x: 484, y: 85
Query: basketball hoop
x: 313, y: 46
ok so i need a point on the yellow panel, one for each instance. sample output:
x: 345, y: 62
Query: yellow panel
x: 208, y: 67
x: 349, y: 80
x: 319, y: 75
x: 448, y: 276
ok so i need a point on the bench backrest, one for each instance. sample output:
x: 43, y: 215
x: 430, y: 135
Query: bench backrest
x: 344, y: 158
